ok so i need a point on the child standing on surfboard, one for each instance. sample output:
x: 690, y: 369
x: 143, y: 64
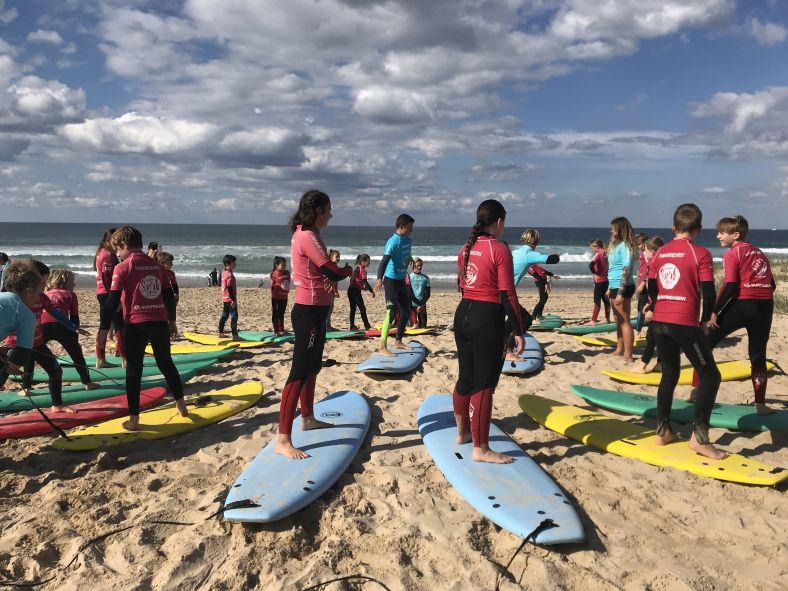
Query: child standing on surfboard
x: 312, y: 274
x: 229, y: 298
x: 598, y: 267
x: 280, y: 290
x: 392, y: 271
x: 622, y: 256
x: 486, y: 277
x: 104, y: 263
x: 680, y: 272
x: 149, y: 315
x: 358, y: 284
x: 651, y: 247
x: 746, y: 300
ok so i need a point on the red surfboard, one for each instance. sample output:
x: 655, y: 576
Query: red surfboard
x: 31, y: 423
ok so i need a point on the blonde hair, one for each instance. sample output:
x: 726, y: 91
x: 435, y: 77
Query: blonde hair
x: 598, y: 243
x: 164, y: 257
x: 622, y: 232
x: 530, y: 237
x: 417, y: 260
x: 58, y: 278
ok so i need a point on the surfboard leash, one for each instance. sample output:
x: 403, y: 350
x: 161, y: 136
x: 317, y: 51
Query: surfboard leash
x: 543, y: 526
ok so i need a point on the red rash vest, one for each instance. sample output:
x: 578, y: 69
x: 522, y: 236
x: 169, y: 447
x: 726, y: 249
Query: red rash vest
x: 142, y: 280
x: 679, y: 268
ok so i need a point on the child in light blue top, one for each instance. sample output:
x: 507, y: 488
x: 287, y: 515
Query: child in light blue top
x: 419, y: 292
x: 620, y: 258
x: 23, y: 288
x: 526, y: 255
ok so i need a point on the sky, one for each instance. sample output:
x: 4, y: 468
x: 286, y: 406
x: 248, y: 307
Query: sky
x: 570, y: 112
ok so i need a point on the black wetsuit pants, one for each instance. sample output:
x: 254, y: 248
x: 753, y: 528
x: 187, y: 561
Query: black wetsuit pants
x: 46, y: 359
x: 753, y: 315
x: 480, y: 335
x: 69, y: 340
x: 397, y: 298
x: 671, y: 340
x: 232, y: 314
x: 135, y: 338
x: 278, y: 307
x: 356, y: 300
x: 543, y: 297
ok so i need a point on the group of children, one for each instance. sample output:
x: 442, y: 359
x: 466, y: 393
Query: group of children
x: 416, y: 290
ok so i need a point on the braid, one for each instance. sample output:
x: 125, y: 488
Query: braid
x: 472, y: 238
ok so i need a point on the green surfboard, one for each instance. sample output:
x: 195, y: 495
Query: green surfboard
x: 90, y: 361
x: 591, y: 328
x: 115, y: 373
x: 725, y: 416
x: 12, y: 402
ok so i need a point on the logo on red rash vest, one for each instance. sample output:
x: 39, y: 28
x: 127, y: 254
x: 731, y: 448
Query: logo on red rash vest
x: 150, y: 287
x: 669, y: 276
x: 759, y: 267
x: 285, y: 285
x: 471, y: 273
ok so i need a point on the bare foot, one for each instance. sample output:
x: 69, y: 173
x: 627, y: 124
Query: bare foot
x: 485, y: 454
x: 668, y: 437
x: 65, y: 409
x: 103, y: 363
x: 763, y: 409
x: 133, y: 424
x: 91, y: 386
x: 222, y: 335
x: 401, y: 346
x: 386, y: 352
x: 629, y: 359
x: 24, y: 392
x: 284, y: 447
x: 181, y: 406
x: 462, y: 438
x: 512, y: 357
x: 309, y: 423
x: 706, y: 449
x: 639, y: 367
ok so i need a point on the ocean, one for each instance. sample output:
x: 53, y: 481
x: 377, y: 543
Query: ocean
x: 198, y: 248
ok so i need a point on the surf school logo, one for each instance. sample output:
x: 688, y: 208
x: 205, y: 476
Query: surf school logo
x: 669, y: 276
x: 285, y: 285
x: 331, y: 414
x: 471, y: 274
x: 759, y: 267
x: 150, y: 287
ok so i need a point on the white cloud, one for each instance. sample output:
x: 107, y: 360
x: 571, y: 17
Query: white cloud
x: 137, y: 133
x: 394, y: 106
x: 7, y: 16
x: 43, y: 36
x: 766, y: 33
x: 713, y: 190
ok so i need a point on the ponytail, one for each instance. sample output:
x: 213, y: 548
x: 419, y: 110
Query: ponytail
x: 307, y: 212
x: 488, y: 212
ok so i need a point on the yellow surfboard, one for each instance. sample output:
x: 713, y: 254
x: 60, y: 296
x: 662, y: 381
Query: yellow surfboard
x: 729, y: 370
x: 409, y: 330
x: 165, y: 421
x: 636, y: 441
x: 605, y: 342
x: 209, y: 339
x: 180, y: 349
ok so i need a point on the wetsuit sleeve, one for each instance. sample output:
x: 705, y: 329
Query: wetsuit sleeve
x: 109, y: 308
x: 335, y: 273
x: 168, y: 296
x: 19, y: 355
x: 726, y: 296
x: 505, y: 267
x: 75, y: 320
x: 552, y: 259
x: 709, y: 296
x: 368, y: 286
x: 427, y: 294
x: 230, y: 292
x: 592, y: 267
x: 653, y: 290
x: 383, y: 264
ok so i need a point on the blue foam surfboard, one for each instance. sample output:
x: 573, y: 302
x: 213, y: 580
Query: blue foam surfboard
x: 518, y: 496
x: 401, y: 362
x: 281, y: 486
x: 531, y: 356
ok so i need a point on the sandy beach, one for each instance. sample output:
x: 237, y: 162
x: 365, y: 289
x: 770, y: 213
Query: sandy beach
x: 392, y: 516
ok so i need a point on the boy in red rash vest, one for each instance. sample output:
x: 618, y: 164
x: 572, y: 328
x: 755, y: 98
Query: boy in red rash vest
x: 104, y: 263
x: 312, y: 274
x: 598, y: 267
x: 149, y: 314
x: 486, y: 273
x: 680, y: 271
x: 746, y: 300
x: 229, y: 298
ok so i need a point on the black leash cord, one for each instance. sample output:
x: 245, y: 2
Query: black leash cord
x: 543, y: 526
x: 359, y: 578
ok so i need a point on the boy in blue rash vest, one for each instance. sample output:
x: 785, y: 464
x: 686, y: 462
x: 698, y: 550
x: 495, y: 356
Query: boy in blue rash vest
x: 391, y: 275
x: 23, y: 286
x: 419, y: 293
x: 527, y: 255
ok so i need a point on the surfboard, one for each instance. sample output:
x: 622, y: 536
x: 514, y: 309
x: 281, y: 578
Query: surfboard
x: 591, y: 328
x: 209, y: 339
x: 31, y: 423
x: 401, y: 362
x: 636, y: 441
x: 165, y: 421
x: 12, y: 402
x: 409, y: 331
x: 548, y: 322
x: 115, y: 373
x: 605, y: 342
x: 725, y: 416
x: 179, y: 349
x: 280, y: 486
x: 178, y: 358
x: 532, y: 358
x: 729, y: 370
x: 265, y: 335
x: 517, y: 496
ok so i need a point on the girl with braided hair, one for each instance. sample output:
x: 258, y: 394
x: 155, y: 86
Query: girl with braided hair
x: 486, y: 277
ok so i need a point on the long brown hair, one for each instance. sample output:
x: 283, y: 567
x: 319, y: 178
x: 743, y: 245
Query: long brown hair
x: 622, y: 233
x: 488, y: 212
x: 103, y: 245
x: 307, y: 212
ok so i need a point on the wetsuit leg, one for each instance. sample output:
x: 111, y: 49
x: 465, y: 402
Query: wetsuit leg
x: 225, y: 315
x: 648, y: 351
x: 46, y: 359
x: 599, y: 293
x: 543, y: 296
x: 396, y: 299
x: 309, y: 326
x: 737, y: 316
x: 135, y: 339
x: 641, y: 317
x: 758, y: 329
x: 423, y: 317
x: 670, y: 353
x: 362, y: 308
x: 69, y: 340
x: 352, y: 298
x: 159, y: 336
